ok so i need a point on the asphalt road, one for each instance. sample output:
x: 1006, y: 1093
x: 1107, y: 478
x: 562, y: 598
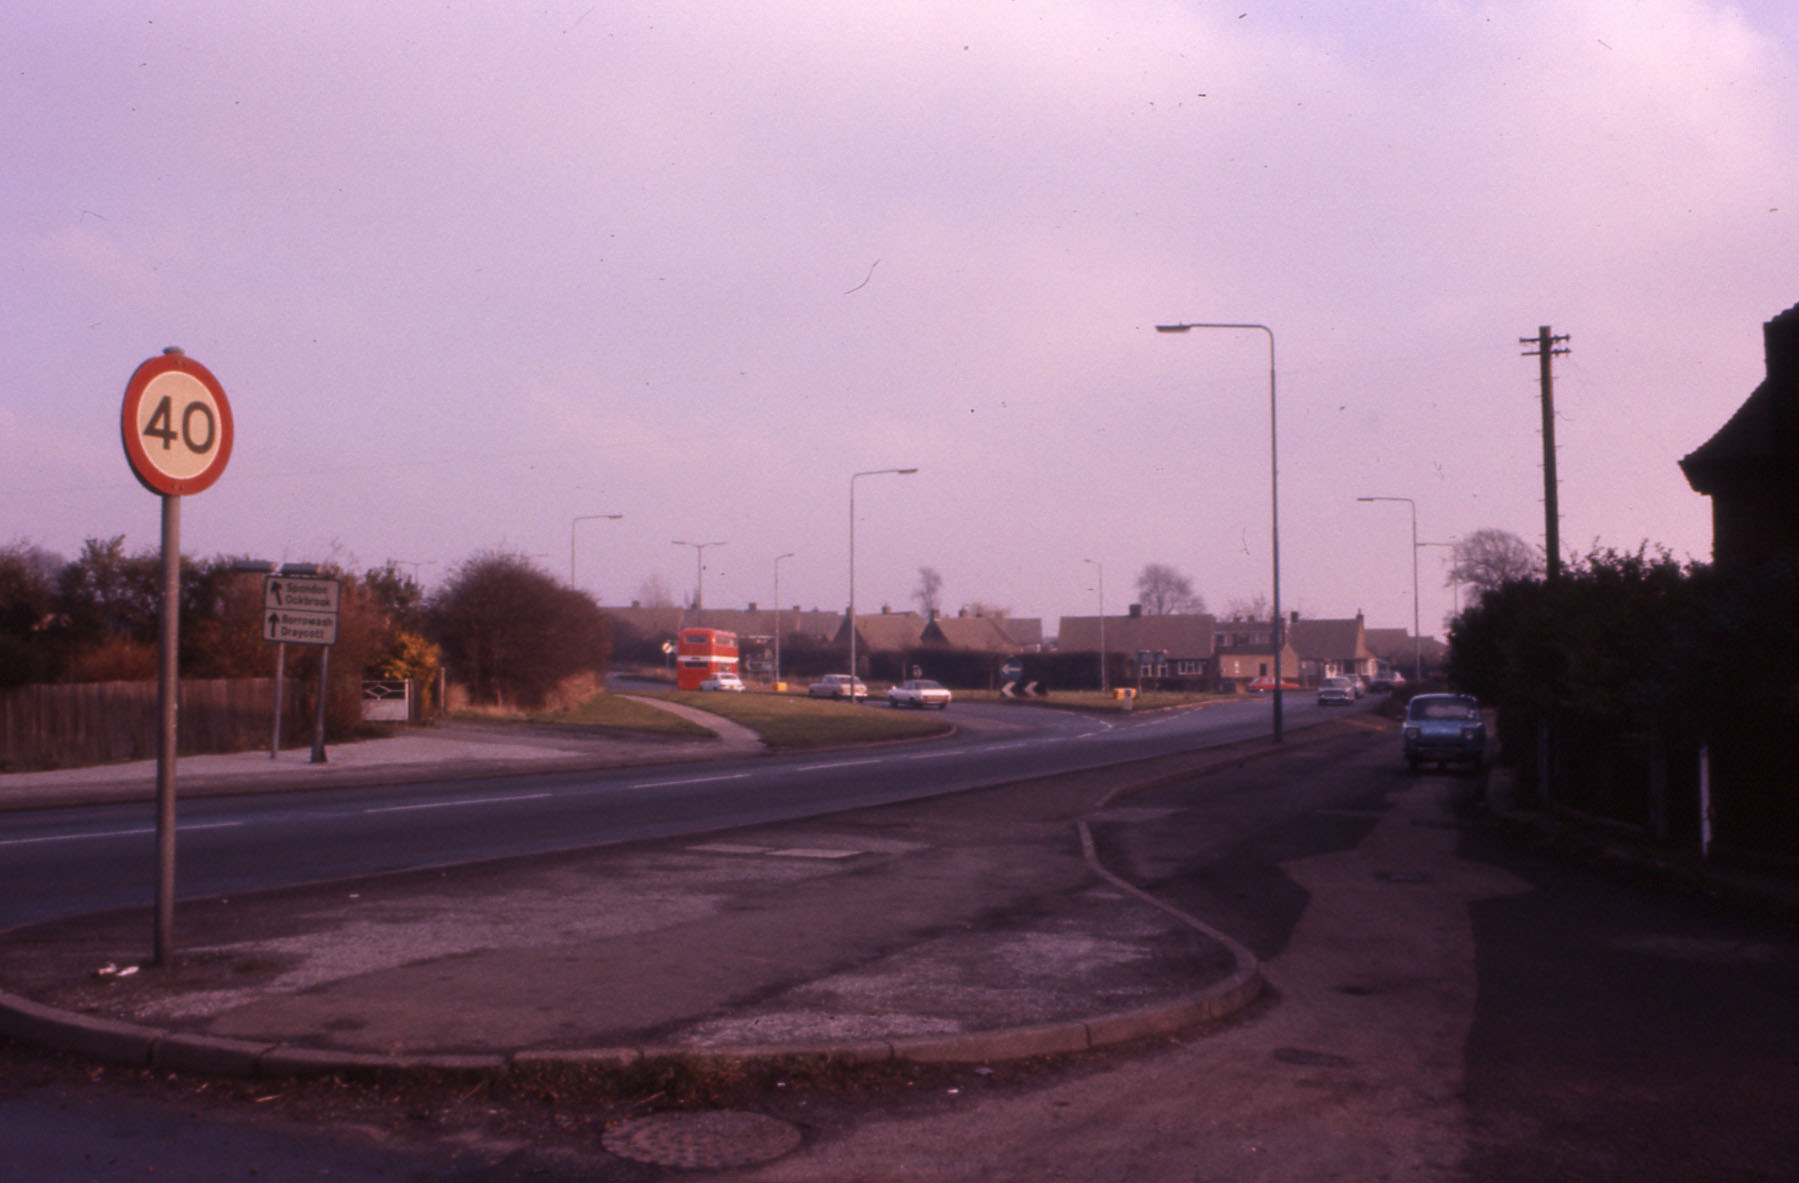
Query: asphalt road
x: 1449, y: 1005
x: 60, y: 862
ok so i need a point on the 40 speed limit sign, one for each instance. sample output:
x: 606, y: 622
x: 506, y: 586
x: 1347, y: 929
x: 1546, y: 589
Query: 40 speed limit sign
x: 176, y: 425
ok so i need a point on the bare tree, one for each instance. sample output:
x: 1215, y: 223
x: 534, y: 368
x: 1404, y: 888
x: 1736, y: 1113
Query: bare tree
x: 653, y: 593
x: 929, y: 592
x: 1488, y: 558
x: 1249, y: 608
x: 1163, y: 591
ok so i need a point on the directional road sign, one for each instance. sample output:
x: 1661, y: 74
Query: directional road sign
x: 299, y: 611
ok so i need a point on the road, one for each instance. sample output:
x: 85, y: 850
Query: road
x: 1448, y: 1005
x: 71, y: 861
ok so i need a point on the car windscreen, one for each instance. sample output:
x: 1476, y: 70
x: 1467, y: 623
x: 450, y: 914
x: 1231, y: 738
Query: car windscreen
x: 1443, y: 708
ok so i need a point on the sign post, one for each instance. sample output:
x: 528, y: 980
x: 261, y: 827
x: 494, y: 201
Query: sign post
x: 177, y: 430
x: 303, y: 612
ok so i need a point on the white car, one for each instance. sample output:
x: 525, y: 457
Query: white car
x: 722, y: 682
x: 838, y: 686
x: 919, y: 693
x: 1336, y: 690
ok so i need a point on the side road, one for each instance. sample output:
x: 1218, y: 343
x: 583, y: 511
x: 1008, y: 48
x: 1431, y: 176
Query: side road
x: 458, y: 748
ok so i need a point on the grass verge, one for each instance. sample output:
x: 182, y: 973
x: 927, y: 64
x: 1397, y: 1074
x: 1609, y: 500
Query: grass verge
x: 790, y: 721
x: 613, y: 712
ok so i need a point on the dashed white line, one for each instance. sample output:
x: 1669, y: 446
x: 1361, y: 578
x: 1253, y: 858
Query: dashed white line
x: 692, y: 780
x: 115, y: 834
x: 457, y: 804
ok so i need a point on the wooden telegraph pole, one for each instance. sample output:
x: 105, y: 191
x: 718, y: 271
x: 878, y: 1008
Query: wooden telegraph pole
x: 1552, y: 530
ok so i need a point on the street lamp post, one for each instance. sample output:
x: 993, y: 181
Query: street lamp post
x: 699, y: 572
x: 1417, y: 638
x: 1455, y: 588
x: 1102, y: 622
x: 591, y: 517
x: 852, y: 611
x: 1274, y: 501
x: 778, y: 559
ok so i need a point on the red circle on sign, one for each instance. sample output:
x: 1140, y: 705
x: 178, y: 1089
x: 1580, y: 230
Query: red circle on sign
x: 176, y: 424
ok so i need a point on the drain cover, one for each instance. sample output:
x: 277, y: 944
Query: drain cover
x: 722, y: 1138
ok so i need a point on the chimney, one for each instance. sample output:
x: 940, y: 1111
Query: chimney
x: 752, y: 605
x: 1136, y: 611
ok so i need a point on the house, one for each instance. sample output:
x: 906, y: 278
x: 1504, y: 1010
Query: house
x: 1750, y: 468
x: 1331, y: 648
x: 1241, y: 653
x: 1393, y: 648
x: 1176, y: 646
x: 885, y: 631
x: 969, y: 634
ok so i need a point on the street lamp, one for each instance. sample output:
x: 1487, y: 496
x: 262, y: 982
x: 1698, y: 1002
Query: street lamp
x: 1102, y: 622
x: 592, y: 517
x: 854, y: 477
x: 1417, y: 639
x: 1455, y: 587
x: 699, y: 571
x: 778, y: 559
x: 1274, y: 501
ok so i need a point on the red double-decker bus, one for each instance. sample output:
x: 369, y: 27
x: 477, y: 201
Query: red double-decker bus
x: 701, y: 653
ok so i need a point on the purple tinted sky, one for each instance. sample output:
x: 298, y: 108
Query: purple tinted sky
x: 470, y: 271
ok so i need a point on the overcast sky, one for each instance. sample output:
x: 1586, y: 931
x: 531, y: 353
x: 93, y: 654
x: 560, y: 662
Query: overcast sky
x: 470, y: 271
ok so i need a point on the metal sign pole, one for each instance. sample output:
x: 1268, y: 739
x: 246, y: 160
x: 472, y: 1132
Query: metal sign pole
x: 280, y: 678
x: 168, y: 695
x: 318, y: 728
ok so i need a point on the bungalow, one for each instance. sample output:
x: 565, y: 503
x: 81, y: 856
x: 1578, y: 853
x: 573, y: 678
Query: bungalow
x: 1331, y: 648
x: 1173, y: 647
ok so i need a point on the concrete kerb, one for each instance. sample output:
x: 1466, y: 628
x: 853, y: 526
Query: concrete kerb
x: 129, y: 1043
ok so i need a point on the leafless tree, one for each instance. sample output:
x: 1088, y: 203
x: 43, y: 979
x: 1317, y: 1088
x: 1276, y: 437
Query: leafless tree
x: 1163, y: 591
x: 1249, y: 608
x: 1488, y: 558
x: 929, y: 592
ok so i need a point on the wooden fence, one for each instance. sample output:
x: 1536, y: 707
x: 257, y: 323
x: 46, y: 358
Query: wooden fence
x: 67, y: 725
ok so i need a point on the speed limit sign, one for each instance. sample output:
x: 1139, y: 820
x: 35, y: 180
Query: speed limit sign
x: 176, y: 425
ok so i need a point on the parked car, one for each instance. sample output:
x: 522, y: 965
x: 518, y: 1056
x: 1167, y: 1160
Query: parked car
x: 838, y: 686
x: 1265, y: 684
x: 1386, y: 681
x: 722, y: 682
x: 1336, y: 690
x: 1360, y: 682
x: 919, y: 693
x: 1444, y: 729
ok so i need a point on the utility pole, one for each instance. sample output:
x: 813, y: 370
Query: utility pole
x: 1552, y: 533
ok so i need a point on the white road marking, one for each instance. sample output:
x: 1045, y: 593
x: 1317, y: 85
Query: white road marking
x: 457, y: 804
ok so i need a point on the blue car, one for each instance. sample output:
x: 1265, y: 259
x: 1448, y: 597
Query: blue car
x: 1444, y: 729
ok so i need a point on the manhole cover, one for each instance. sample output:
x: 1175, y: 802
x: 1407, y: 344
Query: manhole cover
x: 721, y: 1138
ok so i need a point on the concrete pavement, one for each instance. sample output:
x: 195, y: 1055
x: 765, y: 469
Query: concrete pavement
x: 980, y: 926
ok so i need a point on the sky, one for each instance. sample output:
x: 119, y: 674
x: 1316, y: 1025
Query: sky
x: 470, y: 272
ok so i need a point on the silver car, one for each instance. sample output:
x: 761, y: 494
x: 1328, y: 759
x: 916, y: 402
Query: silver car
x: 1336, y: 690
x: 838, y: 686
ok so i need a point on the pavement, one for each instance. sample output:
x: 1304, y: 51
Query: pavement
x: 981, y: 926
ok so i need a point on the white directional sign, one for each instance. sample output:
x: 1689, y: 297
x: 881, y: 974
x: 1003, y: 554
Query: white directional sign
x: 301, y: 595
x: 300, y: 628
x: 299, y: 611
